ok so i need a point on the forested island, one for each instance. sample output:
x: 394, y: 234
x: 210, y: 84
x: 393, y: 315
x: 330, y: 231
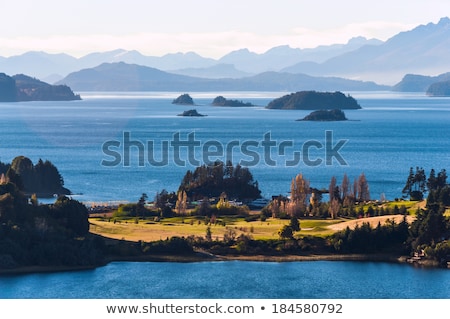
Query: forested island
x: 192, y: 112
x: 24, y: 88
x: 221, y: 101
x: 312, y: 100
x: 184, y: 99
x: 213, y: 199
x: 325, y: 116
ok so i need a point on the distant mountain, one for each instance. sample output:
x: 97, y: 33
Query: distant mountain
x: 131, y: 77
x: 439, y: 89
x: 235, y: 64
x: 38, y: 64
x: 281, y: 57
x: 24, y: 88
x: 218, y: 71
x: 418, y: 83
x: 423, y: 50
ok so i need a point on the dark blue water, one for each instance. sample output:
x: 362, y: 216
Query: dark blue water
x: 391, y: 133
x: 235, y: 279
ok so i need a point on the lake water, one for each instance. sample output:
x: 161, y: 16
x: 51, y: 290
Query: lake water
x: 235, y: 279
x: 390, y: 134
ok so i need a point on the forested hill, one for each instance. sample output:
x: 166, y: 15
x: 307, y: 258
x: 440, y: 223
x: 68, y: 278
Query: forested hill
x: 312, y: 100
x: 24, y: 88
x: 42, y: 179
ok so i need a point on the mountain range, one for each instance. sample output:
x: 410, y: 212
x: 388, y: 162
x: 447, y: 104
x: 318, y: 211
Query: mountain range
x: 423, y: 50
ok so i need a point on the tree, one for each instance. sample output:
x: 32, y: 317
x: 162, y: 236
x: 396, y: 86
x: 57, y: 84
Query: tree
x: 416, y: 184
x: 363, y: 188
x: 181, y: 204
x: 299, y: 193
x: 208, y: 235
x: 286, y: 232
x: 141, y: 205
x: 332, y: 188
x: 294, y: 224
x: 334, y: 208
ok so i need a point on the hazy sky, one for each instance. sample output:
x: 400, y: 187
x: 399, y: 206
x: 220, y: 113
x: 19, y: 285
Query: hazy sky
x: 210, y: 28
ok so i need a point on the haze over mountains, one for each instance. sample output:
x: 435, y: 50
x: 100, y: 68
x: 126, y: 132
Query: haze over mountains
x: 424, y: 50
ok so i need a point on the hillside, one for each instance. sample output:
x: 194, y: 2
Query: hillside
x: 24, y: 88
x: 419, y: 83
x: 439, y: 89
x: 422, y: 50
x: 131, y: 77
x: 312, y: 100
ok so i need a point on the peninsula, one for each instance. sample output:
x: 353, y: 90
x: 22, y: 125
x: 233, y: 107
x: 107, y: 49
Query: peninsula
x: 24, y: 88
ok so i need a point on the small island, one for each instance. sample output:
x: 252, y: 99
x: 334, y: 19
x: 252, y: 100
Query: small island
x: 21, y: 87
x: 325, y: 116
x: 312, y: 100
x: 184, y: 99
x: 221, y: 101
x: 192, y: 112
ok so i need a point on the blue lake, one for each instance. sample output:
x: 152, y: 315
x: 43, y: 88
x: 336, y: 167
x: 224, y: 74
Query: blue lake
x: 392, y: 133
x: 235, y: 279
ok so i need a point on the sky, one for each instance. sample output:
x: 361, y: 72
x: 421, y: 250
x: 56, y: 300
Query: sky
x: 207, y: 27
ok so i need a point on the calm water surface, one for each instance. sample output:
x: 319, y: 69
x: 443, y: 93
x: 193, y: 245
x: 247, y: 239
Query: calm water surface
x: 235, y: 279
x: 390, y: 134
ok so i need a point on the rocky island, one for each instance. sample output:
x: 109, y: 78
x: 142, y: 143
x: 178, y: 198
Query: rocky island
x: 325, y: 116
x: 21, y: 87
x: 221, y: 101
x: 312, y: 100
x: 191, y: 113
x: 184, y: 99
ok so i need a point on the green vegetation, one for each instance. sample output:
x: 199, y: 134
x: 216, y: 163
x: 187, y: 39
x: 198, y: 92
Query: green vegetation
x: 24, y: 88
x: 221, y: 101
x: 42, y: 179
x: 212, y: 180
x: 312, y: 100
x: 189, y: 223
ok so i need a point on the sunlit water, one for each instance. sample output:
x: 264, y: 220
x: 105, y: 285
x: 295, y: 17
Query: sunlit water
x: 391, y: 133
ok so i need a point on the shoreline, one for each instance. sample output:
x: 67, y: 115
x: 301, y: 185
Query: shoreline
x: 206, y: 257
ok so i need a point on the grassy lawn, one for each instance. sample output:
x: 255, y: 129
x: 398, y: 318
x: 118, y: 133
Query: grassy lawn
x: 149, y: 230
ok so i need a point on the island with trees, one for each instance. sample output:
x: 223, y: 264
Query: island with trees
x: 24, y: 88
x: 208, y: 218
x: 325, y: 116
x: 190, y: 113
x: 221, y: 101
x: 183, y: 99
x: 312, y: 100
